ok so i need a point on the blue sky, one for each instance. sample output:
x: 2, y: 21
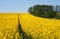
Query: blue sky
x: 23, y: 5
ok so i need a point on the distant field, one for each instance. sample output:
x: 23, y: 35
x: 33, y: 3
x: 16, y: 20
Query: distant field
x: 35, y: 27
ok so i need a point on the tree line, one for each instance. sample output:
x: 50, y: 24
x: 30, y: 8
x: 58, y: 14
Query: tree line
x: 46, y: 11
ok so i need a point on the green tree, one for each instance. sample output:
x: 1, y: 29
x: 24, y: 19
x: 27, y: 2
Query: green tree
x: 42, y: 11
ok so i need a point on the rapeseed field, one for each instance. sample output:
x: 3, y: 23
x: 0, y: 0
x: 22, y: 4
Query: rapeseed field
x: 32, y: 27
x: 8, y: 26
x: 40, y: 28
